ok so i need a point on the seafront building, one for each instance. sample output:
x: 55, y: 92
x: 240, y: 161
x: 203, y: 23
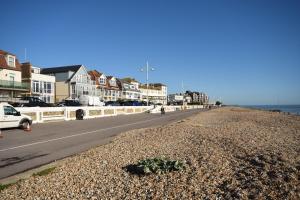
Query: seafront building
x: 56, y: 84
x: 197, y: 97
x: 11, y: 84
x: 106, y: 86
x: 156, y: 92
x: 71, y: 81
x: 130, y: 89
x: 41, y: 85
x: 175, y: 99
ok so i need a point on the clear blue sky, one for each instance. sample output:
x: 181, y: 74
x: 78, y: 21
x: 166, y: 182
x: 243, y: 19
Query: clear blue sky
x: 244, y: 52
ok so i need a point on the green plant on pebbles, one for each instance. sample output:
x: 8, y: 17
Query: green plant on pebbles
x: 160, y: 165
x: 2, y: 187
x: 44, y: 172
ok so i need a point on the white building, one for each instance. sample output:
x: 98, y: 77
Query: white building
x: 42, y: 85
x: 172, y: 98
x: 156, y: 92
x: 130, y: 89
x: 71, y: 82
x: 11, y: 84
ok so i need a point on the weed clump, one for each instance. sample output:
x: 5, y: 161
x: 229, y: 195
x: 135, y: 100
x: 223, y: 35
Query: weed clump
x: 44, y: 172
x: 159, y: 165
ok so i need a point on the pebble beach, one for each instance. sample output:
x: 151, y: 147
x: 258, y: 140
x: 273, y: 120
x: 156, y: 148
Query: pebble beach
x: 230, y: 153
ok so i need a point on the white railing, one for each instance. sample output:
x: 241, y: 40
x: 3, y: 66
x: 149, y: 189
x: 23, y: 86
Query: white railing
x: 44, y: 114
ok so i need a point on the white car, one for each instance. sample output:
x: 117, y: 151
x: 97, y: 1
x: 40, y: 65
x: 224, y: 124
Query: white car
x: 10, y: 117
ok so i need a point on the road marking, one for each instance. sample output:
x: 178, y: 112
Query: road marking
x: 84, y: 133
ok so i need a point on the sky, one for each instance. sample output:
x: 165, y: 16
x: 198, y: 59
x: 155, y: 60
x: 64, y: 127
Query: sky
x: 244, y: 52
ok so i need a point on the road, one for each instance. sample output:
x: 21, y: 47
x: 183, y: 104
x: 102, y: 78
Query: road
x: 47, y: 142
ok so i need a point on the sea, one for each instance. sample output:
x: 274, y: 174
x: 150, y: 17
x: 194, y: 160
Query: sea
x: 293, y: 109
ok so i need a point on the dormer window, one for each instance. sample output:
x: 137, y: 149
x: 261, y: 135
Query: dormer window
x: 112, y: 82
x: 11, y: 60
x: 102, y: 81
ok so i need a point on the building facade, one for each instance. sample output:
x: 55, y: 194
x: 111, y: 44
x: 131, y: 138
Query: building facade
x: 106, y: 86
x: 157, y: 93
x: 41, y: 85
x: 197, y: 97
x: 130, y: 89
x: 175, y: 99
x: 11, y: 84
x: 71, y: 82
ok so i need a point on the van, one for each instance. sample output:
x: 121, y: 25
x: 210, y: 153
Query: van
x: 10, y: 117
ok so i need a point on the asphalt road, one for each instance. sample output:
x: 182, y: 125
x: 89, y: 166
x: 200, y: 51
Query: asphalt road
x: 47, y: 142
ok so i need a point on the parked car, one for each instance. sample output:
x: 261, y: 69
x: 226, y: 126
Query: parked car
x: 69, y: 103
x: 32, y: 102
x: 10, y: 117
x: 112, y: 103
x: 132, y: 103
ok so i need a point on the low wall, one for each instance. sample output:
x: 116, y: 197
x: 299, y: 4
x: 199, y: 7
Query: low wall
x: 40, y: 114
x: 175, y: 108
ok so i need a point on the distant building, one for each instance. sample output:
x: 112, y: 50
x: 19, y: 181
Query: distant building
x: 106, y: 86
x: 71, y: 81
x: 114, y: 93
x: 157, y: 93
x: 41, y: 85
x: 175, y: 99
x: 130, y: 89
x: 11, y: 84
x: 197, y: 97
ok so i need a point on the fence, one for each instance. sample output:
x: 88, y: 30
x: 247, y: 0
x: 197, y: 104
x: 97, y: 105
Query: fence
x: 44, y: 114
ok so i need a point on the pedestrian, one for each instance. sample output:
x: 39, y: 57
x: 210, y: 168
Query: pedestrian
x: 1, y: 136
x: 162, y: 110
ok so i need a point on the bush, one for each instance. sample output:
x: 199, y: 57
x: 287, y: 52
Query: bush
x: 160, y: 165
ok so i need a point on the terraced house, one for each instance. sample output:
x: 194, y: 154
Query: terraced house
x: 11, y: 84
x: 41, y: 85
x: 130, y: 89
x: 106, y: 86
x: 71, y: 81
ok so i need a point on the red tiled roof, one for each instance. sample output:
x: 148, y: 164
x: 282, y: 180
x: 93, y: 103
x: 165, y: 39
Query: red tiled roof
x: 3, y: 63
x: 95, y: 76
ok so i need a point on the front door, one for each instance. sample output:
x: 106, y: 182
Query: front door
x: 11, y: 80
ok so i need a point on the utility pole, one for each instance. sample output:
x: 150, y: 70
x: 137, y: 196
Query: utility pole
x: 25, y: 56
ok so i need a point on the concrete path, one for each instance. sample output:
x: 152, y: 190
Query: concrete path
x: 21, y: 151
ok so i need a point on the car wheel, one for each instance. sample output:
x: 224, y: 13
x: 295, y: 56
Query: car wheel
x: 24, y: 124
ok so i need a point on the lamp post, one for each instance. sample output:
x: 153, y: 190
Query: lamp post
x: 147, y: 78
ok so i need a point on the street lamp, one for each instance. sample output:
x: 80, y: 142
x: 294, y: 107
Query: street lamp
x: 147, y: 78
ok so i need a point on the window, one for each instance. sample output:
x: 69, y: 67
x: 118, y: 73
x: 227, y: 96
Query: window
x: 49, y: 88
x: 112, y: 82
x: 8, y: 110
x: 36, y: 86
x: 12, y: 80
x: 102, y: 81
x: 85, y: 90
x: 73, y: 89
x: 11, y: 61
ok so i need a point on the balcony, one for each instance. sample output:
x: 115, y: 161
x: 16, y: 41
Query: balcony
x: 13, y: 85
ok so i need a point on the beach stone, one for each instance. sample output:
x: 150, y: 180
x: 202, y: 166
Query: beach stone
x: 230, y: 153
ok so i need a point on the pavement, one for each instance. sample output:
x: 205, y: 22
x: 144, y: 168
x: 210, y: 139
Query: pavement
x: 21, y: 151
